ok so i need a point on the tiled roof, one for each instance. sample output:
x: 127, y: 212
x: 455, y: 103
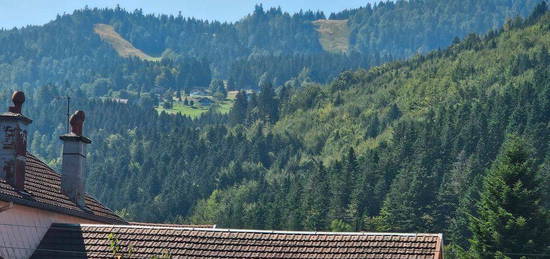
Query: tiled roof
x: 44, y: 186
x: 171, y: 225
x: 66, y: 240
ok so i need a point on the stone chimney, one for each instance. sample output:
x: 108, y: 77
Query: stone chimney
x: 73, y: 171
x: 13, y: 134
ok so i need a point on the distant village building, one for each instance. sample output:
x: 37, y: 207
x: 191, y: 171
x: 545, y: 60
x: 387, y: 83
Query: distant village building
x: 198, y: 92
x: 204, y: 101
x: 45, y: 214
x: 114, y: 99
x: 120, y: 100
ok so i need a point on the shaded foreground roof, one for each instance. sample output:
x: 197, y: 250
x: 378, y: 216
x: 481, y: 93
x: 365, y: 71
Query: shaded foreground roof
x: 77, y: 241
x: 43, y: 185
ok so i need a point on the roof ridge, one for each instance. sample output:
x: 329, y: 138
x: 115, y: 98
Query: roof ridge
x: 166, y: 224
x: 251, y: 230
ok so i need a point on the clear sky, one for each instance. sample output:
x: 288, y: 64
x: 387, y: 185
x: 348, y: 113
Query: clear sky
x: 36, y: 12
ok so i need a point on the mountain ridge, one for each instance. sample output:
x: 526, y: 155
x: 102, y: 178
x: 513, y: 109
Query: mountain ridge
x: 248, y: 43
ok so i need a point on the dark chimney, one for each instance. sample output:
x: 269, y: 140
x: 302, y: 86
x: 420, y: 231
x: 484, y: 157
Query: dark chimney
x: 13, y: 127
x: 74, y: 160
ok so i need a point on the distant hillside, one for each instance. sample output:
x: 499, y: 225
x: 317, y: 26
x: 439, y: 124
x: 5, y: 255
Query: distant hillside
x: 122, y: 46
x: 269, y: 45
x: 334, y: 35
x: 404, y: 28
x: 398, y: 147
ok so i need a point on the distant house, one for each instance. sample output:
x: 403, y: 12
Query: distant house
x: 45, y: 214
x: 120, y: 100
x: 114, y: 99
x: 198, y: 92
x: 204, y: 101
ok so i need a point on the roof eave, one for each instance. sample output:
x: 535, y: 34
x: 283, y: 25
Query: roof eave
x: 44, y: 206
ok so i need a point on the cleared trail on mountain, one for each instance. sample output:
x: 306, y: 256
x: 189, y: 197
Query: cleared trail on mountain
x: 123, y: 47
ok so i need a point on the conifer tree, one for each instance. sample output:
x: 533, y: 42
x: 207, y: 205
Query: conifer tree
x: 239, y: 110
x: 267, y: 104
x: 511, y: 221
x: 544, y: 177
x: 351, y: 169
x: 338, y: 192
x: 316, y: 200
x: 408, y: 205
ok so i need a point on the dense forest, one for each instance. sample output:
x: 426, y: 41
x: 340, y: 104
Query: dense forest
x: 196, y: 51
x: 423, y: 144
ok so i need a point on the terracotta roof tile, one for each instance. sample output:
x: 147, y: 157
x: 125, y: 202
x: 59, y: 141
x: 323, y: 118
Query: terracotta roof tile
x: 43, y: 185
x: 182, y: 242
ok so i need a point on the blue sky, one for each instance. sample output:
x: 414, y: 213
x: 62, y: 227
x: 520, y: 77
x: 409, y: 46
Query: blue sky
x: 36, y: 12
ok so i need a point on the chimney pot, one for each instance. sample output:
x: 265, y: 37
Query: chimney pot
x: 13, y: 134
x: 73, y: 165
x: 18, y: 98
x: 77, y: 122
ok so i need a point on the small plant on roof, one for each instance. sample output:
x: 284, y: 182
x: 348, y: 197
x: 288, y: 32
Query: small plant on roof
x: 116, y: 247
x: 165, y: 255
x: 114, y: 244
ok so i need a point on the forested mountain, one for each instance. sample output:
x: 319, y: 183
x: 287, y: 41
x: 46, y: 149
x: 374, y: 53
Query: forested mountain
x: 409, y: 145
x: 404, y: 28
x: 197, y: 50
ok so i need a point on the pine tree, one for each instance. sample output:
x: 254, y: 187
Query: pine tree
x: 539, y: 10
x: 452, y: 188
x: 338, y: 192
x: 511, y: 221
x: 458, y: 231
x: 217, y: 87
x: 356, y: 206
x: 238, y: 112
x: 269, y: 107
x: 544, y: 177
x: 316, y: 200
x: 351, y: 169
x: 294, y: 214
x: 408, y: 204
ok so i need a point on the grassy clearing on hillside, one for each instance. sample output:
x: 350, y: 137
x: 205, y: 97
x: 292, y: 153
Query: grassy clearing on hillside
x: 231, y: 95
x: 123, y: 47
x: 225, y: 106
x: 196, y: 110
x: 179, y: 108
x: 334, y: 35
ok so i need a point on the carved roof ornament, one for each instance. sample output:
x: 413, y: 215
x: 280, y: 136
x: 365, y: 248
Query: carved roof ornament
x: 18, y: 98
x: 77, y: 122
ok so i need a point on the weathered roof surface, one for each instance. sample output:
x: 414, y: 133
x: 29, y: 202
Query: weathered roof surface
x: 44, y: 186
x: 171, y: 225
x: 66, y: 240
